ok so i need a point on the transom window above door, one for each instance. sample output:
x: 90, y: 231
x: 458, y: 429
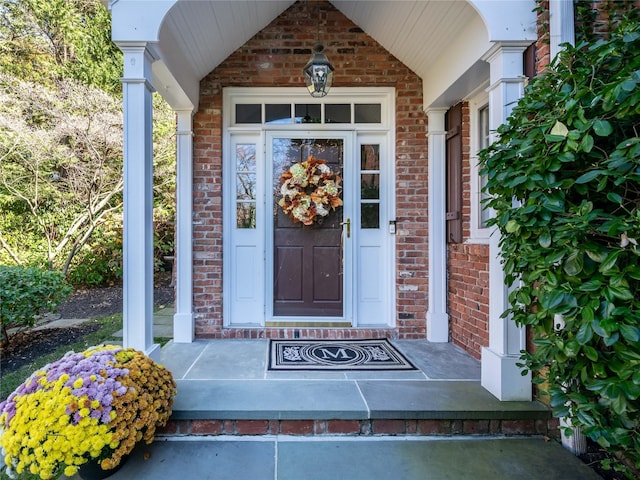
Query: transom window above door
x: 338, y: 109
x: 290, y: 113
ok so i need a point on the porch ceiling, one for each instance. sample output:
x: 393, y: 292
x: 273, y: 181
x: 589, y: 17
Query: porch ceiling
x: 416, y: 32
x: 195, y: 36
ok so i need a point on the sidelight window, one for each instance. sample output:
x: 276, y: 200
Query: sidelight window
x: 245, y: 176
x: 370, y: 186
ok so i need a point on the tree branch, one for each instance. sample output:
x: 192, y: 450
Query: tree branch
x: 11, y: 253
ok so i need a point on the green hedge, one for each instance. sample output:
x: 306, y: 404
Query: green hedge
x: 564, y: 180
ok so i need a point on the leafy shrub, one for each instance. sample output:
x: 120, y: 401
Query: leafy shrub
x: 99, y: 262
x: 27, y: 292
x: 564, y: 180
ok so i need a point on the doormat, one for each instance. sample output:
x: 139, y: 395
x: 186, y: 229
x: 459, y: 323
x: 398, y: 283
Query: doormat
x: 336, y: 355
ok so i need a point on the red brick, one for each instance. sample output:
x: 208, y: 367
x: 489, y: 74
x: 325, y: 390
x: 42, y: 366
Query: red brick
x: 456, y: 427
x: 495, y: 427
x: 388, y: 427
x: 273, y: 427
x: 206, y: 427
x: 320, y: 427
x: 296, y: 427
x: 434, y: 427
x: 252, y: 427
x: 518, y: 427
x: 411, y: 427
x: 475, y: 427
x: 229, y: 427
x: 343, y: 426
x: 171, y: 428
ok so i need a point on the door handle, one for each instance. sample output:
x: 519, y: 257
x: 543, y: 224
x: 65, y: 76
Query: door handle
x: 347, y: 222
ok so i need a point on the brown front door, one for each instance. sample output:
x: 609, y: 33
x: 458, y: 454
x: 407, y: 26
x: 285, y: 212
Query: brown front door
x: 308, y: 254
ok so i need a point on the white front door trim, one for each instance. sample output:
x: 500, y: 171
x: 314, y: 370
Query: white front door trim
x: 247, y: 297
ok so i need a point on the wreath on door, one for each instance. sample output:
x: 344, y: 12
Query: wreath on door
x: 310, y: 191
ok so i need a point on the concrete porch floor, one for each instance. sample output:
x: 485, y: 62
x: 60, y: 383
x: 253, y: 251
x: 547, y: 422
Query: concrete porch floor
x: 223, y: 381
x: 228, y: 379
x: 384, y: 458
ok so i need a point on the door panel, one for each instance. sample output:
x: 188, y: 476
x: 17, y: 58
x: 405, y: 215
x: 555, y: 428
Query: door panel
x: 326, y: 268
x: 244, y: 231
x: 374, y: 265
x: 308, y: 260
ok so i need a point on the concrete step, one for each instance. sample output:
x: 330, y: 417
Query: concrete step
x: 382, y: 458
x: 350, y: 407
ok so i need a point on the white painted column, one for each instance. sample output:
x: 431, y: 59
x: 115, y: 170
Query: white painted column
x: 437, y: 316
x: 138, y: 200
x: 500, y: 374
x: 562, y: 30
x: 561, y: 25
x: 183, y: 327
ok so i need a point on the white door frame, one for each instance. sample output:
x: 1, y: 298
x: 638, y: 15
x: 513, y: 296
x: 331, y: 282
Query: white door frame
x: 239, y: 286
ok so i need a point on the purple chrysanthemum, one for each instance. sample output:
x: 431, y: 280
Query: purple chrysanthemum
x: 91, y: 378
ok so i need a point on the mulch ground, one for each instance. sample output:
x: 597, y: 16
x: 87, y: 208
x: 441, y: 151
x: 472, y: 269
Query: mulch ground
x: 85, y: 304
x: 30, y: 344
x: 595, y: 456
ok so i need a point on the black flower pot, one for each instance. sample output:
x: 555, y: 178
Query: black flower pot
x: 93, y: 471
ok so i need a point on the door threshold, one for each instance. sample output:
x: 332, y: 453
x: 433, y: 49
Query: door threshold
x: 310, y: 324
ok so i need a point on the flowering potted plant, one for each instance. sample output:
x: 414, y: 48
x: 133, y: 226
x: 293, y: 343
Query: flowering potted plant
x: 310, y: 190
x: 88, y: 407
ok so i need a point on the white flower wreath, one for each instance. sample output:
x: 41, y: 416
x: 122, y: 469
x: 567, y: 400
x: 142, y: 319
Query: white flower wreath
x: 310, y: 190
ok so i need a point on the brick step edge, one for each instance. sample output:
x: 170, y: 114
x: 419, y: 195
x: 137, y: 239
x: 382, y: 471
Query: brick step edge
x: 371, y: 427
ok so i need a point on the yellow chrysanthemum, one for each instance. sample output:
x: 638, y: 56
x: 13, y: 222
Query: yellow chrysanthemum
x: 70, y: 470
x: 53, y: 431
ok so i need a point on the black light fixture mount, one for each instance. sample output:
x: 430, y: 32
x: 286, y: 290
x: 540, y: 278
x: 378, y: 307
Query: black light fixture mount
x: 318, y: 73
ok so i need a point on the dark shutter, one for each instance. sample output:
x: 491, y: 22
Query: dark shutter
x: 453, y: 124
x: 529, y: 60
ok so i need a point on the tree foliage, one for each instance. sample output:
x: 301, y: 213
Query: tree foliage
x: 47, y: 40
x: 60, y: 163
x: 564, y: 180
x: 61, y: 142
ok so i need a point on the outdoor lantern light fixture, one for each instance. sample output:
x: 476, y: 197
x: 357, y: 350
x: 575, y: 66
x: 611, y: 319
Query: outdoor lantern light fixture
x: 318, y: 73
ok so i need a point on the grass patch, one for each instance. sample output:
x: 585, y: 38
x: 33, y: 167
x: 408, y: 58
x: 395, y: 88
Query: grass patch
x: 162, y: 341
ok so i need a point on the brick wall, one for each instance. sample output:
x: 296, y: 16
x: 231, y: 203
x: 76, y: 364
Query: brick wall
x: 467, y: 262
x: 275, y: 57
x: 469, y: 296
x: 543, y: 50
